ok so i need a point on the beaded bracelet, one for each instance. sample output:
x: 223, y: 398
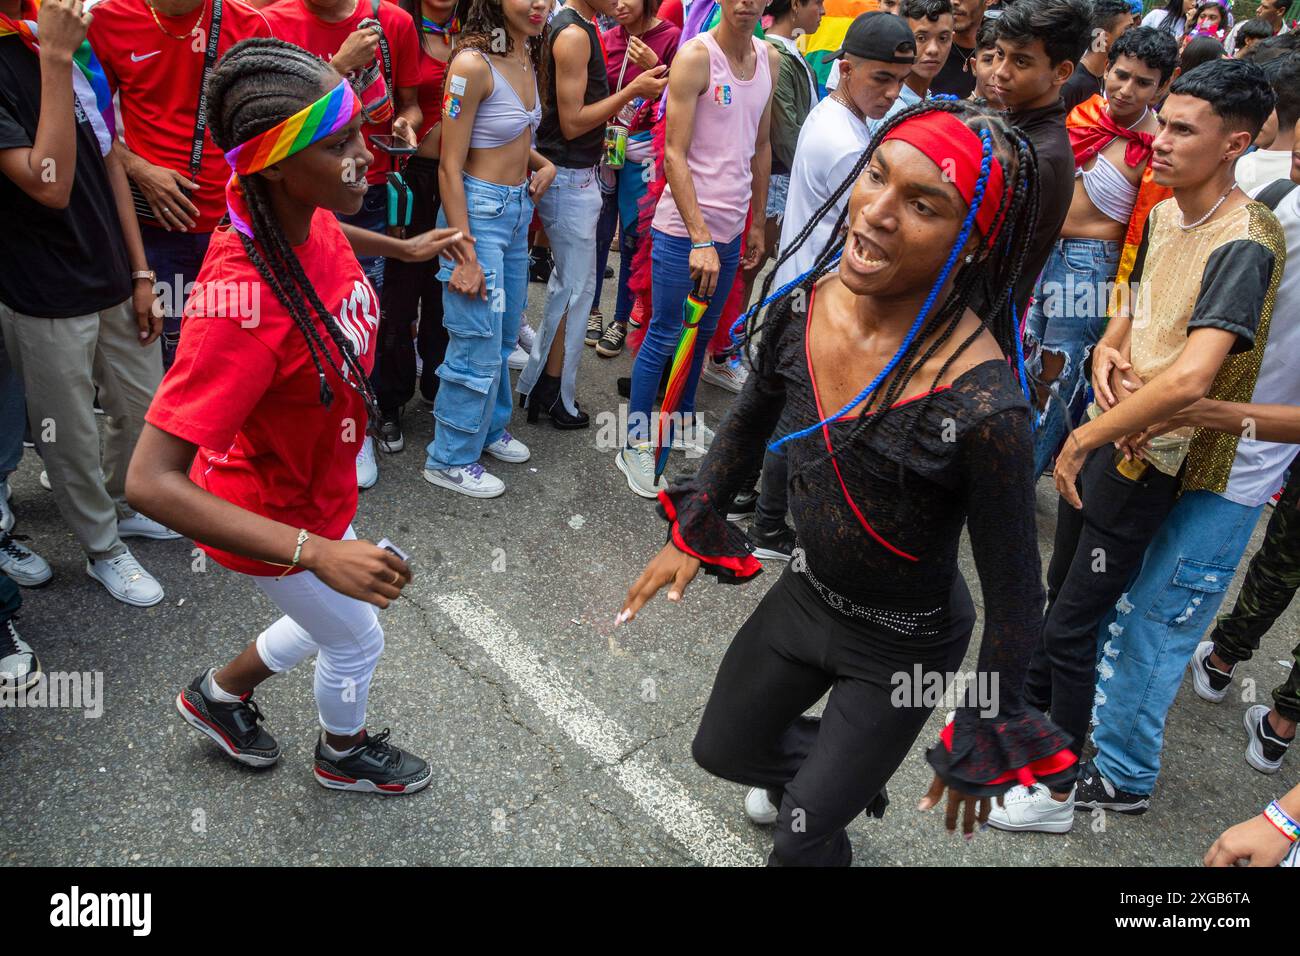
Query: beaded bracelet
x: 1280, y: 819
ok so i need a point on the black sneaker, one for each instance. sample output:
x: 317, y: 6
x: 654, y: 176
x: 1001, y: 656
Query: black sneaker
x: 1095, y: 792
x: 540, y: 264
x: 595, y: 326
x: 777, y: 545
x: 743, y: 505
x: 391, y: 439
x: 624, y: 385
x: 234, y: 727
x: 376, y: 766
x: 1264, y: 748
x: 611, y: 342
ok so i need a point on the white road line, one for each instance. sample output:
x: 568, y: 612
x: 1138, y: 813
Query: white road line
x: 656, y: 792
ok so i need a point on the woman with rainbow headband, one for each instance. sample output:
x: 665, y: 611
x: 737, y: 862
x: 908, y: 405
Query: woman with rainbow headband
x: 251, y: 441
x: 873, y: 608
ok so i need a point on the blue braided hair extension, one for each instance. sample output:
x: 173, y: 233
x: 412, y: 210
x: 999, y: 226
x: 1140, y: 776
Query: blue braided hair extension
x: 986, y: 161
x: 1020, y: 365
x: 784, y: 290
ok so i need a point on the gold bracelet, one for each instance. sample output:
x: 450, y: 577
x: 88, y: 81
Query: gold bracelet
x: 297, y: 552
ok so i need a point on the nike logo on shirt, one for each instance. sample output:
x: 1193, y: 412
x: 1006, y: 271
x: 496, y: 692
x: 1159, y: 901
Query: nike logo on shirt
x: 137, y: 59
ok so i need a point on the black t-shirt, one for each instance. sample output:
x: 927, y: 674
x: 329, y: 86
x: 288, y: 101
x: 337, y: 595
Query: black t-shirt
x: 1045, y: 128
x: 953, y: 77
x: 57, y: 263
x: 1082, y: 84
x: 586, y: 149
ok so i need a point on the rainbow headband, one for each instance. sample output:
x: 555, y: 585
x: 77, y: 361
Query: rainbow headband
x: 325, y: 117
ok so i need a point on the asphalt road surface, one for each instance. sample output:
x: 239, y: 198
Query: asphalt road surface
x: 555, y: 739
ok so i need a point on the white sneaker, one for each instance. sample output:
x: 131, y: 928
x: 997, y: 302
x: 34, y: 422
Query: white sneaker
x: 6, y: 513
x: 20, y: 668
x: 1032, y: 808
x: 518, y: 359
x: 367, y: 467
x: 638, y: 465
x: 126, y: 580
x: 1201, y: 677
x: 697, y: 437
x: 137, y: 525
x: 473, y: 480
x: 22, y: 564
x: 508, y: 448
x: 526, y: 336
x: 1264, y: 748
x: 45, y: 480
x: 730, y: 374
x: 759, y: 807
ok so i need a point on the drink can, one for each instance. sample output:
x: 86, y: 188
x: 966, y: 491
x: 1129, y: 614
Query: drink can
x: 615, y: 146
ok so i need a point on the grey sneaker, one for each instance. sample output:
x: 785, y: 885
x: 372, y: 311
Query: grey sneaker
x: 126, y: 580
x: 611, y: 343
x: 508, y: 448
x: 472, y: 480
x: 20, y: 668
x: 21, y: 563
x: 637, y: 463
x: 6, y: 513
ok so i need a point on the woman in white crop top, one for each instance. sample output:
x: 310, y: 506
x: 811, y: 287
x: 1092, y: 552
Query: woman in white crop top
x: 1068, y: 313
x: 490, y: 112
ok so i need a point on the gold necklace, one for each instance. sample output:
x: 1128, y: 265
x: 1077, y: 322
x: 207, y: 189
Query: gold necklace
x: 184, y: 36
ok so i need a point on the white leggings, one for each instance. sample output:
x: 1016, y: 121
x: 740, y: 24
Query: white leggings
x: 342, y: 632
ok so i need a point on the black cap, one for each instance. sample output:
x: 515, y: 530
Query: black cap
x: 879, y: 36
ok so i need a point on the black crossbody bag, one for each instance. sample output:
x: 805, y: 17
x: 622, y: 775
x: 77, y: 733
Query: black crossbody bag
x: 143, y: 211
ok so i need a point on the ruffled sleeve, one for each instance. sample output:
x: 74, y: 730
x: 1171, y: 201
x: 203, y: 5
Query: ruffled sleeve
x: 986, y: 749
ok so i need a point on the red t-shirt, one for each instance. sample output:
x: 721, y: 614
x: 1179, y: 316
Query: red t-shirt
x: 433, y: 74
x: 244, y: 389
x: 291, y: 20
x: 157, y: 79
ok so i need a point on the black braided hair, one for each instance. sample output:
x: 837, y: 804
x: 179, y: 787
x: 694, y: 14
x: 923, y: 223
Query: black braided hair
x: 259, y: 83
x: 986, y: 284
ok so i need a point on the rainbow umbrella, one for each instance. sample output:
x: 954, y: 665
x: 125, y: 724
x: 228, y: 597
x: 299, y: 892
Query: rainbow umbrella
x: 692, y: 311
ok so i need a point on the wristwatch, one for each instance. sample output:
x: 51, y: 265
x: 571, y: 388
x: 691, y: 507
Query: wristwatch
x: 148, y: 275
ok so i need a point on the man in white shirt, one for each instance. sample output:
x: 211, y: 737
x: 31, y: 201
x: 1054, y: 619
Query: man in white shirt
x: 1272, y: 12
x: 875, y: 59
x: 1266, y: 165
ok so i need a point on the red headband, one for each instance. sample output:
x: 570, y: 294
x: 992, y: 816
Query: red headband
x: 957, y: 150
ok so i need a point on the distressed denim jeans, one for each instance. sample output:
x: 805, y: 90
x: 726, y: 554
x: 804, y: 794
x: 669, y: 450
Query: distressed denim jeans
x: 569, y: 210
x: 1067, y: 318
x: 474, y: 398
x: 1148, y: 642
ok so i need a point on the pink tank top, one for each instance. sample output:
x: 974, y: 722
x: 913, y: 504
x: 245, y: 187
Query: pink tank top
x: 722, y: 146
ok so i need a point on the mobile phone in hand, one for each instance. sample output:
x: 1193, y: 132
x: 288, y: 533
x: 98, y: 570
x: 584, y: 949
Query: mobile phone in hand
x: 392, y: 145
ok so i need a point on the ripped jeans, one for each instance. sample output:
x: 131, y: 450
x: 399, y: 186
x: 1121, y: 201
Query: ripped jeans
x: 1095, y: 553
x: 474, y: 401
x: 1148, y: 642
x: 1067, y: 318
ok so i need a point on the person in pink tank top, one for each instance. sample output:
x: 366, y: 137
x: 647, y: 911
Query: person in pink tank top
x: 716, y: 161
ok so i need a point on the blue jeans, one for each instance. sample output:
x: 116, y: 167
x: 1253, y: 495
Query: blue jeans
x: 626, y: 250
x: 373, y: 215
x: 1148, y: 641
x: 176, y: 258
x: 1067, y: 317
x: 671, y: 283
x: 473, y: 404
x: 569, y: 211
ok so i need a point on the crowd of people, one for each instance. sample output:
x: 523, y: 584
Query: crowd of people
x: 977, y: 246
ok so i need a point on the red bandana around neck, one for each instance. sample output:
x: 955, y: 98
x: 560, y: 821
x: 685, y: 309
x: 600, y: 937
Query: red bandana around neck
x: 1091, y: 130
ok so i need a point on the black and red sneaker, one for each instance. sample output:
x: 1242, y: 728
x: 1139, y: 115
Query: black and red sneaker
x: 375, y: 766
x: 234, y: 727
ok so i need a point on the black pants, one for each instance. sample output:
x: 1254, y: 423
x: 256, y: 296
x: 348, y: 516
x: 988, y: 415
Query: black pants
x: 773, y: 496
x: 1094, y: 557
x: 790, y: 652
x: 411, y: 289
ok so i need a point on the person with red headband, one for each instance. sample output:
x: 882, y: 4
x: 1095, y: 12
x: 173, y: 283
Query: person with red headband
x: 250, y: 444
x: 873, y: 607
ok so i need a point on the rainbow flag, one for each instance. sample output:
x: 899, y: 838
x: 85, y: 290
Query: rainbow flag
x: 692, y: 311
x: 89, y: 83
x: 830, y: 35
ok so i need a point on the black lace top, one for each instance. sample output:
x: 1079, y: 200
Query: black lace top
x: 962, y: 453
